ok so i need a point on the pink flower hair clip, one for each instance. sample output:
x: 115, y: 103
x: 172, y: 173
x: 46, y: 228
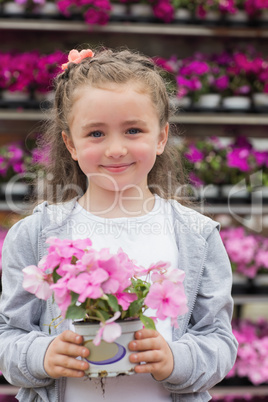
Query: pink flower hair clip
x: 76, y: 57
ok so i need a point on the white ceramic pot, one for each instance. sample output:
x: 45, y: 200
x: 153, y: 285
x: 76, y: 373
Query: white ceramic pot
x: 48, y: 9
x: 140, y: 10
x: 41, y: 96
x: 260, y: 99
x: 209, y: 101
x: 236, y: 102
x: 234, y: 191
x: 264, y: 15
x: 15, y: 96
x: 212, y: 16
x: 13, y: 8
x: 184, y: 102
x: 10, y: 189
x: 108, y: 359
x: 209, y: 191
x: 182, y: 14
x: 239, y: 16
x: 118, y: 9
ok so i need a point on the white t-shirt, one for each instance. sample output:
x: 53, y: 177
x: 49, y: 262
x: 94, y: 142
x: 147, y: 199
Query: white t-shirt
x: 146, y: 239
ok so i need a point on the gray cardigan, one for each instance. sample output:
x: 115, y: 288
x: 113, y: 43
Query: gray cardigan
x: 203, y: 346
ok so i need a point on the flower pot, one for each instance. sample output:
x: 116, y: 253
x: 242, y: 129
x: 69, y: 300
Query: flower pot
x: 48, y: 9
x: 236, y: 102
x: 140, y: 10
x: 230, y: 191
x: 44, y: 96
x: 239, y: 16
x: 182, y: 14
x: 260, y: 99
x: 184, y: 102
x: 212, y: 16
x: 108, y: 359
x: 264, y: 15
x: 13, y: 8
x: 15, y: 96
x: 209, y: 191
x: 118, y: 9
x: 209, y: 101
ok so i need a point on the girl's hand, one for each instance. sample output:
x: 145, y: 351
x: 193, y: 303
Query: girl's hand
x: 60, y: 358
x: 152, y: 349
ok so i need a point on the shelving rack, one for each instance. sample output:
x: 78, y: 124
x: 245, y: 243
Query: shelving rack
x: 21, y: 121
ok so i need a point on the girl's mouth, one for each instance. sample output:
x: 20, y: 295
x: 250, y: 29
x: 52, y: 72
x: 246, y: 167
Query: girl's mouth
x: 117, y: 168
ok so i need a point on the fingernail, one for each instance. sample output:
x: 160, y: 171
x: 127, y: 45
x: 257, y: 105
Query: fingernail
x: 78, y: 338
x: 134, y: 345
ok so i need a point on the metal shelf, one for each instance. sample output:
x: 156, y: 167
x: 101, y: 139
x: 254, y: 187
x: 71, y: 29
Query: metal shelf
x: 125, y: 27
x: 239, y: 390
x: 181, y: 118
x: 221, y: 118
x: 8, y: 390
x: 250, y: 299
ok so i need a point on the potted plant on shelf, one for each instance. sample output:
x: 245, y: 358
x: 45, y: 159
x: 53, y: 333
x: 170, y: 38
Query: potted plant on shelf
x: 248, y: 253
x: 239, y: 67
x: 96, y: 287
x: 251, y: 362
x: 94, y: 12
x: 184, y: 9
x: 226, y: 170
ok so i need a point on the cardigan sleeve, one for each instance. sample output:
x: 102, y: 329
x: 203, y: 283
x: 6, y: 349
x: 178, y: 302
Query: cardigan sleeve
x: 22, y: 342
x: 207, y: 350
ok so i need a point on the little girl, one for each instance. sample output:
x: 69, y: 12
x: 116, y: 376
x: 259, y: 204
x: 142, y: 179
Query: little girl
x: 112, y: 178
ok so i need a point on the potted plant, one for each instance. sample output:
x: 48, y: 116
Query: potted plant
x: 96, y: 287
x: 183, y: 9
x: 94, y: 12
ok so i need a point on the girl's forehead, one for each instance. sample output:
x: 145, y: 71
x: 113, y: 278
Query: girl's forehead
x: 133, y: 85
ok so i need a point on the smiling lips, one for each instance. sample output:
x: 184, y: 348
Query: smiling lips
x: 117, y: 168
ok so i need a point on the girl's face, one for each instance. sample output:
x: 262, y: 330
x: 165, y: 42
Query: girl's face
x: 115, y: 137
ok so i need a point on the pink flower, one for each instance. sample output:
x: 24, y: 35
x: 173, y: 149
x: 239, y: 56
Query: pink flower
x: 194, y: 155
x: 167, y: 299
x: 34, y: 281
x: 88, y: 285
x: 109, y: 330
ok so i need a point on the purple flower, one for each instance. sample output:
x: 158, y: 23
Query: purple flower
x: 222, y: 82
x: 164, y: 10
x: 238, y: 158
x: 194, y: 155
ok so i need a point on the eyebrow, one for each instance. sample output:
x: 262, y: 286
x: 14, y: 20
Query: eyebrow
x: 101, y: 124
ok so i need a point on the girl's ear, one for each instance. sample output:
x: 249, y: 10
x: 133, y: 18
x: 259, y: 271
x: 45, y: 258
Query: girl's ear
x: 69, y: 145
x: 163, y: 137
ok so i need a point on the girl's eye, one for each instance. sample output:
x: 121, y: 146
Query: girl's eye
x: 96, y: 134
x: 133, y: 131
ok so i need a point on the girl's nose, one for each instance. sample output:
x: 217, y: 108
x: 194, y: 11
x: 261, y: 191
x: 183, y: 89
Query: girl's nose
x: 115, y: 149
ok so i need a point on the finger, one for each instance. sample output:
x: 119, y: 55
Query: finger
x: 70, y: 363
x: 69, y: 349
x: 145, y: 368
x: 65, y: 372
x: 146, y: 333
x: 72, y: 337
x: 152, y: 356
x: 145, y: 344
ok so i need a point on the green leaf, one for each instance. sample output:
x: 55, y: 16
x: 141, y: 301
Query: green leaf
x: 103, y: 315
x: 74, y: 298
x: 147, y: 322
x: 135, y: 307
x: 55, y: 276
x: 75, y: 312
x: 113, y: 303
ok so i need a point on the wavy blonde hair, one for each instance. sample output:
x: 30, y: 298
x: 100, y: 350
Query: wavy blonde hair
x: 107, y: 67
